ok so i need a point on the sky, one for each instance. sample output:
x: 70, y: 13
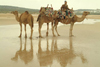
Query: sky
x: 36, y: 4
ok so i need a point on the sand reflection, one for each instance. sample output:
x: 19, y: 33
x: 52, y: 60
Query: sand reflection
x: 63, y: 56
x: 24, y: 55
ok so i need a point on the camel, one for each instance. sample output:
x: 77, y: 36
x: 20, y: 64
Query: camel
x: 24, y: 18
x: 42, y: 18
x: 70, y: 21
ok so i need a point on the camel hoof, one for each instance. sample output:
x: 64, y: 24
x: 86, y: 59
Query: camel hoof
x: 58, y: 35
x: 47, y: 34
x: 30, y: 37
x: 54, y: 35
x: 40, y: 37
x: 19, y: 36
x: 25, y: 36
x: 71, y: 35
x: 14, y: 59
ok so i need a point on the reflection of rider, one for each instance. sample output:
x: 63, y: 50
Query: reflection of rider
x: 64, y: 9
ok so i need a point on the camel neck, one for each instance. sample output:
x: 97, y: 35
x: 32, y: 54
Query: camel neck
x: 17, y: 17
x: 81, y: 18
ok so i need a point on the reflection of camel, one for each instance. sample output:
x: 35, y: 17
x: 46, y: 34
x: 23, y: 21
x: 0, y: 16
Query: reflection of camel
x: 24, y: 18
x: 24, y: 55
x: 70, y: 21
x: 63, y: 56
x: 45, y: 57
x: 42, y: 18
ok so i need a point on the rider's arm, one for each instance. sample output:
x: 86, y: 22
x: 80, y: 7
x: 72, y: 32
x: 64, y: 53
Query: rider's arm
x: 68, y: 7
x: 62, y: 7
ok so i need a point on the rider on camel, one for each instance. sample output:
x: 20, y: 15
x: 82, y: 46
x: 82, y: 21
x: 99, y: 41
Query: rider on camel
x: 64, y: 8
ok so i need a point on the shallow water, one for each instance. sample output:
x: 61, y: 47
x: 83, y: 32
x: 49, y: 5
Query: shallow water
x: 48, y: 51
x: 89, y: 21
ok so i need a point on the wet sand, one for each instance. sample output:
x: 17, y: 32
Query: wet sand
x: 82, y: 50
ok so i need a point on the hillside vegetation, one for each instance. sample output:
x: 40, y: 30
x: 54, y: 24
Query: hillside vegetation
x: 8, y: 9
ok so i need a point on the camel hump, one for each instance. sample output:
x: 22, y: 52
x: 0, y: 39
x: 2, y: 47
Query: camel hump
x: 26, y: 12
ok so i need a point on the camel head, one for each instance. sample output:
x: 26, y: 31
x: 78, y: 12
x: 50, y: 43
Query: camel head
x: 15, y: 12
x: 16, y: 15
x: 71, y: 10
x: 42, y: 9
x: 55, y: 15
x: 86, y: 13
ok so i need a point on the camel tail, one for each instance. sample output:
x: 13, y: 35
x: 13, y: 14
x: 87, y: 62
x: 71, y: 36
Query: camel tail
x: 32, y: 19
x: 38, y: 17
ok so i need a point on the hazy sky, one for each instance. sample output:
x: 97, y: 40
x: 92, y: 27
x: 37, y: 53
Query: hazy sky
x: 36, y: 4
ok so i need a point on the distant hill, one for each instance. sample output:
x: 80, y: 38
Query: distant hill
x: 85, y: 10
x: 8, y: 9
x: 92, y: 11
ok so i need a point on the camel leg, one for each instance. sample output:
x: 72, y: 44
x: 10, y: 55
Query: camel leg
x: 31, y: 31
x: 47, y: 29
x: 40, y: 26
x: 25, y: 31
x: 71, y: 28
x: 53, y: 29
x: 56, y: 30
x: 55, y: 26
x: 20, y: 30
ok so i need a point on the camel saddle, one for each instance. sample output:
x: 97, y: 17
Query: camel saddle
x: 68, y: 13
x: 48, y: 11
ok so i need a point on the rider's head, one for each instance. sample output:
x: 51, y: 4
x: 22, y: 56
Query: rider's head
x: 65, y: 2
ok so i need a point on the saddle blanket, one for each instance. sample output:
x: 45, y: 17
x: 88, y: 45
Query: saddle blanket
x: 68, y: 13
x: 48, y: 11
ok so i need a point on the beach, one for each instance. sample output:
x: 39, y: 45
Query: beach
x: 7, y: 16
x: 81, y: 50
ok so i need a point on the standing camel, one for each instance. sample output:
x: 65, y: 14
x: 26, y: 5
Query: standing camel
x: 70, y: 21
x: 42, y: 18
x: 24, y: 18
